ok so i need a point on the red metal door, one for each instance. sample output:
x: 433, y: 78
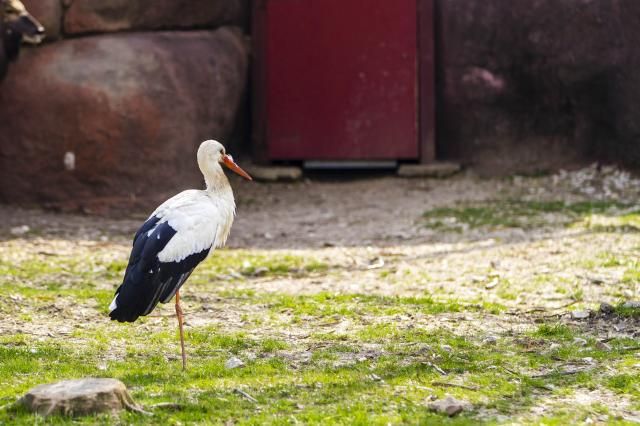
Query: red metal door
x: 341, y: 79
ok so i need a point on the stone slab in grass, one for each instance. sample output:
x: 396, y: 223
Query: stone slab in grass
x: 274, y: 173
x: 79, y: 397
x: 449, y: 406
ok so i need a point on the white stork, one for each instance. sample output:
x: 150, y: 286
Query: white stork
x: 176, y: 238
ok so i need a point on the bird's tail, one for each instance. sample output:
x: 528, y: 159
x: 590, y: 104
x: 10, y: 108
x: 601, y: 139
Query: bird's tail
x: 121, y: 310
x: 134, y: 298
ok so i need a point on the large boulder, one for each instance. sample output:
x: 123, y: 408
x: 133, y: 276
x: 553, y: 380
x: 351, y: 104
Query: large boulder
x: 538, y: 84
x: 116, y: 115
x: 117, y: 15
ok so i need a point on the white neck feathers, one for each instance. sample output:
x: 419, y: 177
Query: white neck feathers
x: 216, y: 180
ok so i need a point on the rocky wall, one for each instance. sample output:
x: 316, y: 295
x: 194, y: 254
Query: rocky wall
x: 118, y: 99
x: 127, y: 88
x: 533, y: 85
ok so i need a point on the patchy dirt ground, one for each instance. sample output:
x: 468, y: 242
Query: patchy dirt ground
x: 362, y: 227
x: 524, y: 264
x: 347, y: 211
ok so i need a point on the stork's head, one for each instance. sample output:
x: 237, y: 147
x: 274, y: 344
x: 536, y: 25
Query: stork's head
x: 212, y: 154
x: 20, y: 22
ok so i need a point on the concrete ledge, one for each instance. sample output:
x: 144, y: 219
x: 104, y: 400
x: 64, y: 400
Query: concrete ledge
x: 439, y: 169
x: 273, y: 173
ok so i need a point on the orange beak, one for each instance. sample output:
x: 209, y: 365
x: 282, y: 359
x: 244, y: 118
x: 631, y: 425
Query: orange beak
x: 227, y: 160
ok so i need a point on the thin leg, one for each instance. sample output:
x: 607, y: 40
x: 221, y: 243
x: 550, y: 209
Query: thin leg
x: 180, y: 316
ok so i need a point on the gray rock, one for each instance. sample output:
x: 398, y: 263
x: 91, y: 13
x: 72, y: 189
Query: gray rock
x: 79, y: 397
x: 580, y: 315
x: 603, y: 346
x: 631, y: 304
x: 579, y: 341
x: 19, y: 230
x: 554, y: 346
x: 439, y: 169
x: 595, y: 280
x: 233, y: 362
x: 606, y: 308
x: 375, y: 377
x: 260, y: 271
x: 492, y: 284
x: 449, y: 406
x: 490, y: 340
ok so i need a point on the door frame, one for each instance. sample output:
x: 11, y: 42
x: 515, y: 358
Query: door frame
x: 426, y: 81
x: 426, y: 92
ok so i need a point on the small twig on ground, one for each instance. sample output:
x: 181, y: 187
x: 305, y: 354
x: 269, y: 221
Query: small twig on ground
x: 246, y: 395
x: 534, y: 310
x: 167, y: 406
x: 541, y: 309
x: 566, y: 305
x: 510, y: 371
x: 435, y: 367
x: 562, y: 373
x: 133, y: 407
x: 455, y: 385
x: 552, y: 316
x: 408, y: 400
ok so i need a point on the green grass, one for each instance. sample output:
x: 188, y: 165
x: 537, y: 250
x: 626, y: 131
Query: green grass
x: 370, y: 373
x: 249, y: 264
x: 313, y: 355
x: 627, y: 311
x: 352, y: 305
x: 85, y: 270
x: 339, y: 384
x: 627, y: 222
x: 556, y: 331
x: 528, y: 214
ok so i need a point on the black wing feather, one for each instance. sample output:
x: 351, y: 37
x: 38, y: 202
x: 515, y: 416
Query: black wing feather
x: 147, y: 280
